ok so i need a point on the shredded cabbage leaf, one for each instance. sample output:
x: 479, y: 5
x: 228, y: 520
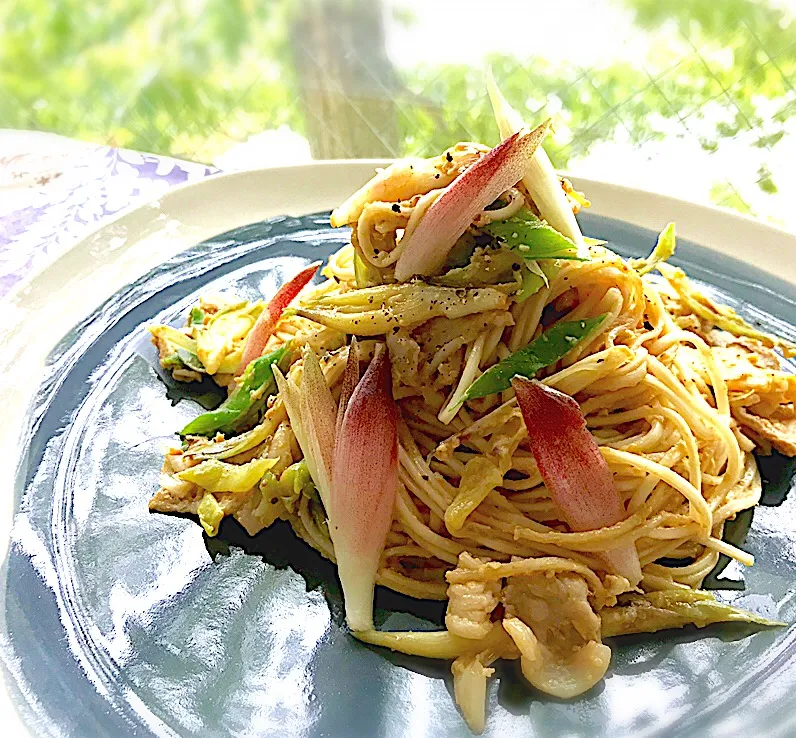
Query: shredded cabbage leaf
x: 479, y: 478
x: 664, y: 249
x: 721, y: 316
x: 218, y: 476
x: 673, y: 608
x: 294, y: 482
x: 219, y: 345
x: 210, y: 514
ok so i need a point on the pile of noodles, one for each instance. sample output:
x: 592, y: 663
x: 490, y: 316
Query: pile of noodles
x: 663, y: 423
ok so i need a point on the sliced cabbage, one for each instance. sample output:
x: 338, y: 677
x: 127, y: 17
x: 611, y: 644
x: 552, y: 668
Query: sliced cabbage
x: 479, y: 478
x: 664, y: 249
x: 294, y: 482
x: 219, y: 344
x: 218, y: 476
x: 673, y: 608
x: 210, y: 514
x: 173, y: 336
x: 721, y: 316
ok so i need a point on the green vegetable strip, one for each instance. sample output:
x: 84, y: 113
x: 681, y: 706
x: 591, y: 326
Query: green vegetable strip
x: 664, y: 249
x: 190, y: 359
x: 532, y: 238
x: 549, y: 348
x: 172, y: 361
x: 257, y: 384
x: 675, y: 608
x: 530, y: 284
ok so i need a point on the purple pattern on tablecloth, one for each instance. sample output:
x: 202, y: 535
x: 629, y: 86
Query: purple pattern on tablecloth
x: 104, y: 182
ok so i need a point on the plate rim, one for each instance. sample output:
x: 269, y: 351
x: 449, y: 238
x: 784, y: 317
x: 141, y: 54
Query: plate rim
x: 617, y: 193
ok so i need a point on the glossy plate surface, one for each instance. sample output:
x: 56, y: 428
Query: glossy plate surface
x: 119, y: 622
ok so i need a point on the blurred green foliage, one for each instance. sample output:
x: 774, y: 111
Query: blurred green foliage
x: 191, y: 78
x: 168, y: 77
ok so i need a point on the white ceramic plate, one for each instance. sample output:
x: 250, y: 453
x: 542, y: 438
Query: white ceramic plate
x: 58, y: 297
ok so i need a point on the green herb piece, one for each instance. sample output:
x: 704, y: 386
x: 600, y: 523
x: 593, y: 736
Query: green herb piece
x: 549, y: 348
x: 532, y: 238
x: 197, y: 316
x: 255, y: 387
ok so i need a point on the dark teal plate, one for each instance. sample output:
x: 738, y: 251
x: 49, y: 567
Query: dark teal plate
x: 117, y: 622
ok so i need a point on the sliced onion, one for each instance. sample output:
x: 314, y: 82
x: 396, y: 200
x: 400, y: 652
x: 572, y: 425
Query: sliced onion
x: 572, y: 467
x: 364, y: 484
x: 539, y: 178
x: 426, y: 248
x: 264, y: 327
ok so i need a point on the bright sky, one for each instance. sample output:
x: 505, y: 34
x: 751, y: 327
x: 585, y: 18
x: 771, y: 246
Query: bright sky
x: 465, y: 31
